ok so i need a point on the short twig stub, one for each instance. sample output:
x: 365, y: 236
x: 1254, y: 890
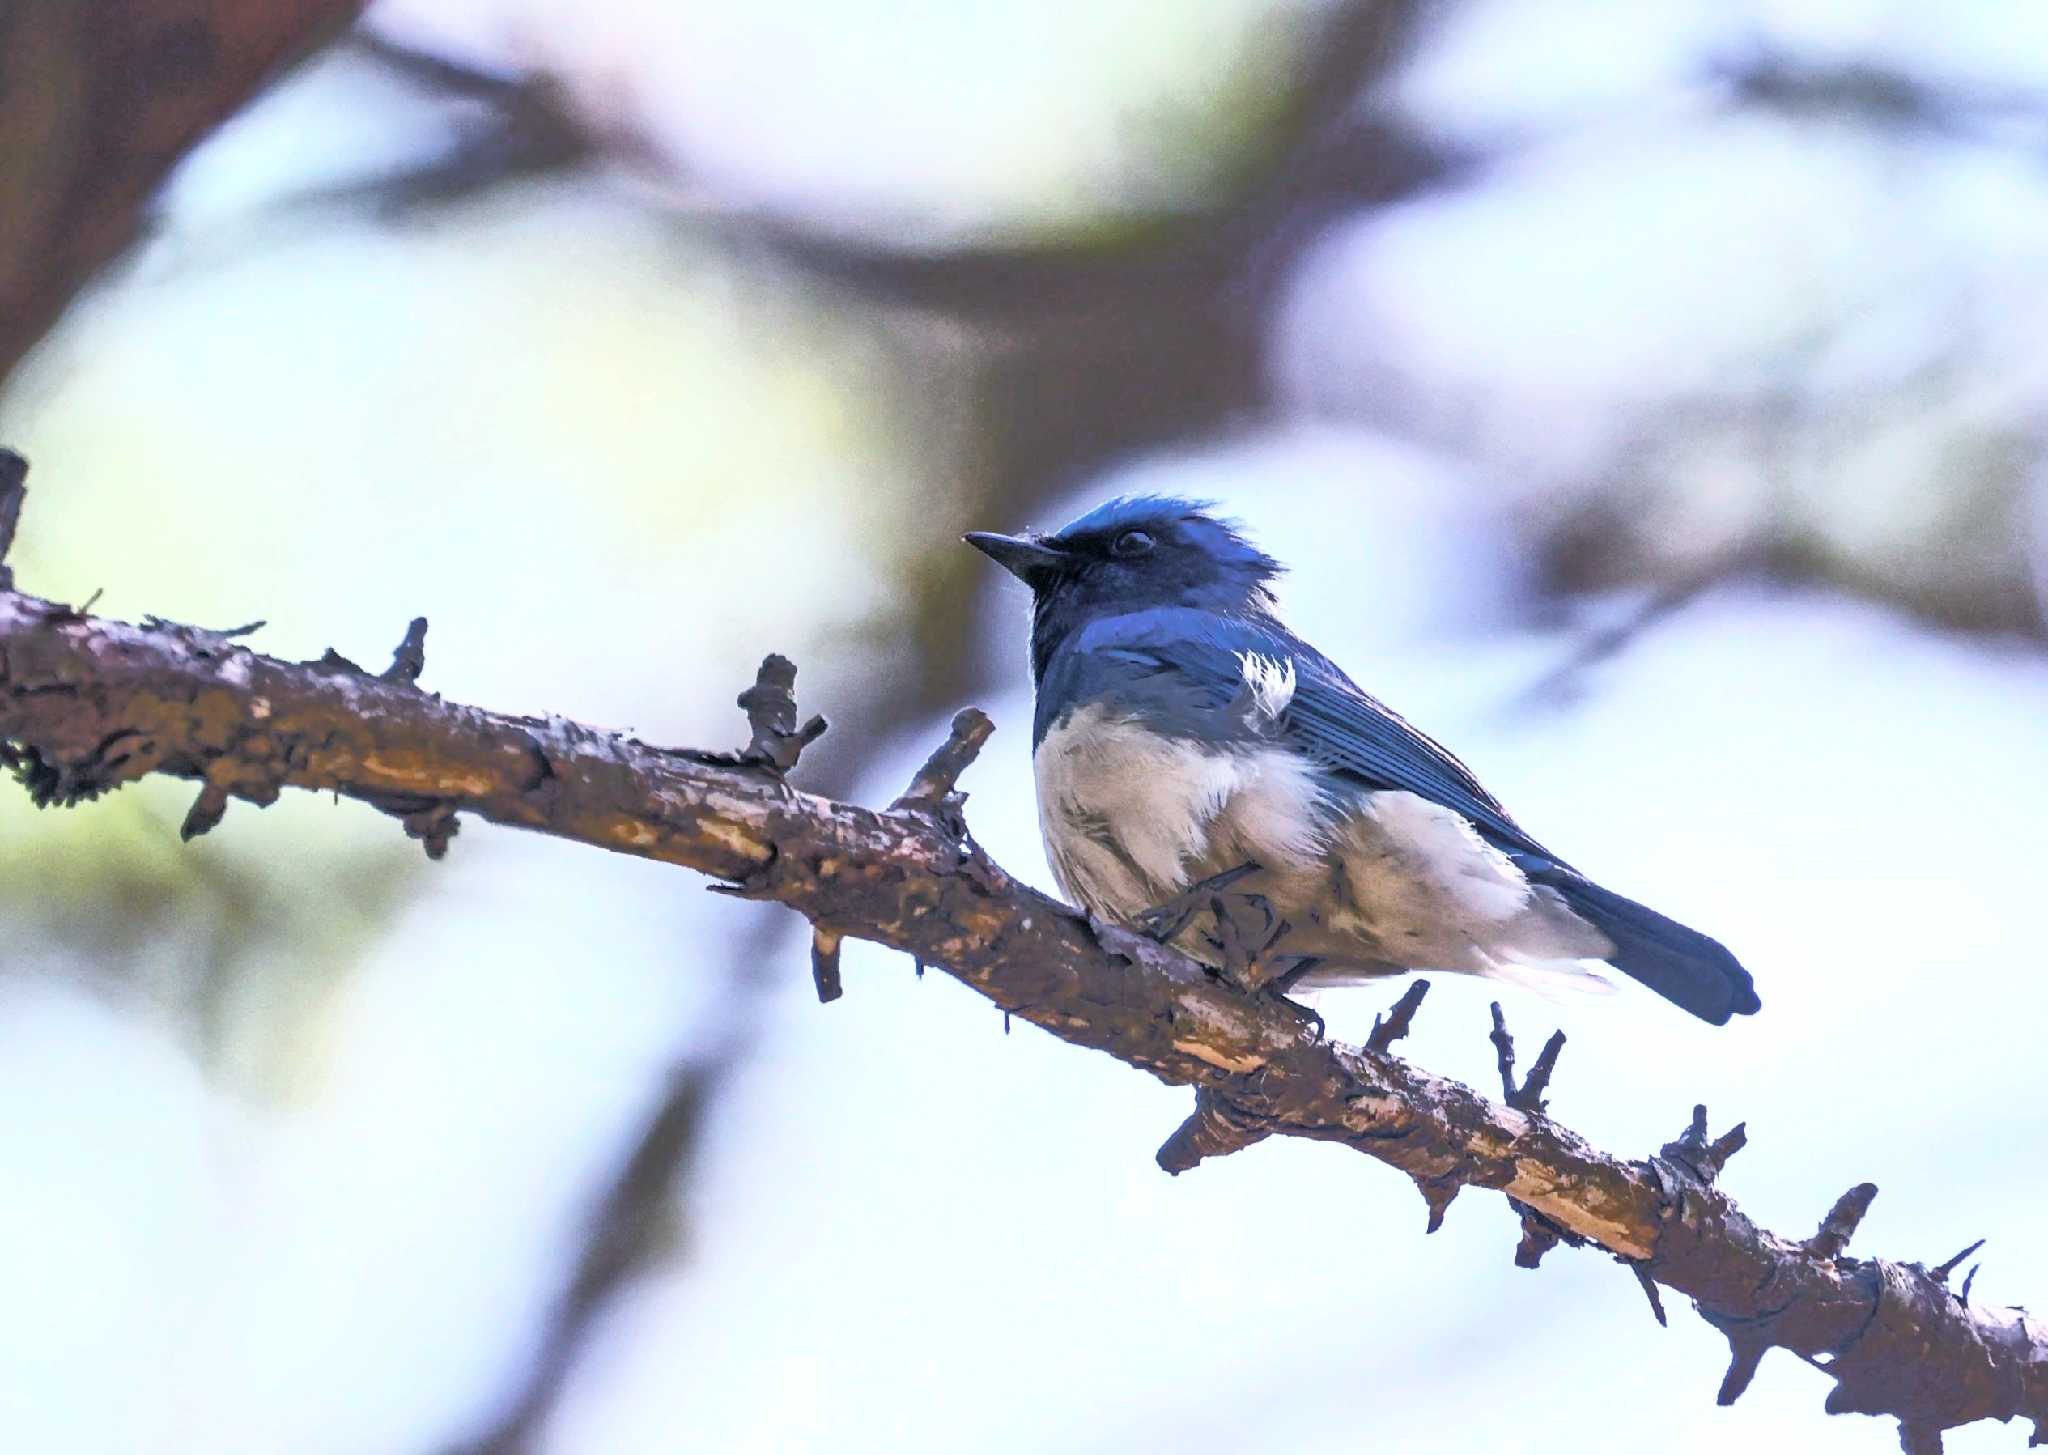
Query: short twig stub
x: 935, y: 785
x: 410, y: 658
x: 1214, y: 1129
x: 770, y: 705
x: 1839, y: 1226
x: 1528, y: 1095
x: 825, y: 964
x: 1940, y: 1272
x: 1649, y: 1286
x: 1397, y: 1023
x: 1703, y: 1158
x: 13, y: 472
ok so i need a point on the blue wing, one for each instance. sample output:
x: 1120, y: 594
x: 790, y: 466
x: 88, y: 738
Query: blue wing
x: 1330, y: 719
x: 1183, y: 668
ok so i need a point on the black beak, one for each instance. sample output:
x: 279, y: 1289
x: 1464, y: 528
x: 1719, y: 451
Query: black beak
x: 1021, y: 556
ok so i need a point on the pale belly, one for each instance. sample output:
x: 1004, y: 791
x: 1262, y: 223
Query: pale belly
x: 1378, y: 883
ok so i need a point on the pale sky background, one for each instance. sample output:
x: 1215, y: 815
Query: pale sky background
x: 565, y: 427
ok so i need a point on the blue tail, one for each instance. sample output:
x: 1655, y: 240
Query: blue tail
x: 1687, y: 968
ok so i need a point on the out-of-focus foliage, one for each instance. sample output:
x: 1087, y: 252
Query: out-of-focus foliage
x: 630, y: 341
x: 593, y: 529
x: 227, y: 938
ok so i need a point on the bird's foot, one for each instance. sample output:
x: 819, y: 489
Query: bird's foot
x: 1244, y: 927
x: 1240, y: 944
x: 1311, y: 1020
x: 1163, y: 921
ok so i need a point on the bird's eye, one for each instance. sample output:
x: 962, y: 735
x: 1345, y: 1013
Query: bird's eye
x: 1131, y: 543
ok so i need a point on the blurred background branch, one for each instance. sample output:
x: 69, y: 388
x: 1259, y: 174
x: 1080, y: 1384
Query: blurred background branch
x: 100, y: 101
x: 1658, y: 395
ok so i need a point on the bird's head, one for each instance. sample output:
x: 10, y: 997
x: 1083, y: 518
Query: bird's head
x: 1130, y: 554
x: 1134, y: 552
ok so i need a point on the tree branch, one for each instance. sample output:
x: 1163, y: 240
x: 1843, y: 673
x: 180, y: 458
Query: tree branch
x: 87, y: 704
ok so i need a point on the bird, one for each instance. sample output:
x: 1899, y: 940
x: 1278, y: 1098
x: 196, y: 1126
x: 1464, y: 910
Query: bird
x: 1206, y: 776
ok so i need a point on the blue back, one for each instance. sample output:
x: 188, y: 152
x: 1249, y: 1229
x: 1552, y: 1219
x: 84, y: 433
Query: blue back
x: 1179, y: 668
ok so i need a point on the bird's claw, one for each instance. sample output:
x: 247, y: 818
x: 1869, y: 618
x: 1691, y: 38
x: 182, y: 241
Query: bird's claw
x: 1245, y: 927
x: 1239, y: 944
x: 1240, y: 954
x: 1311, y: 1020
x: 1164, y: 921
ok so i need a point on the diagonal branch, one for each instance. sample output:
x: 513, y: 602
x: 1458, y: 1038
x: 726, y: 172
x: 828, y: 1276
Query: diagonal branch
x: 87, y: 704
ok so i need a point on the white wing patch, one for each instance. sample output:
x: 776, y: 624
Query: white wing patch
x: 1271, y: 682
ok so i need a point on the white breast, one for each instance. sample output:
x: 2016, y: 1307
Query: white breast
x: 1130, y: 816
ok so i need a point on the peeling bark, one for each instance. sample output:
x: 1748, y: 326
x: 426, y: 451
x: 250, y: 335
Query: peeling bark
x: 87, y: 704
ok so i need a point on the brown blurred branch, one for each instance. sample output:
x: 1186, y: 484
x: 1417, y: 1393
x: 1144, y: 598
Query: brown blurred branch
x: 640, y: 1222
x: 1090, y: 349
x: 87, y: 704
x: 1048, y: 360
x: 98, y: 100
x: 1103, y: 349
x: 626, y: 1234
